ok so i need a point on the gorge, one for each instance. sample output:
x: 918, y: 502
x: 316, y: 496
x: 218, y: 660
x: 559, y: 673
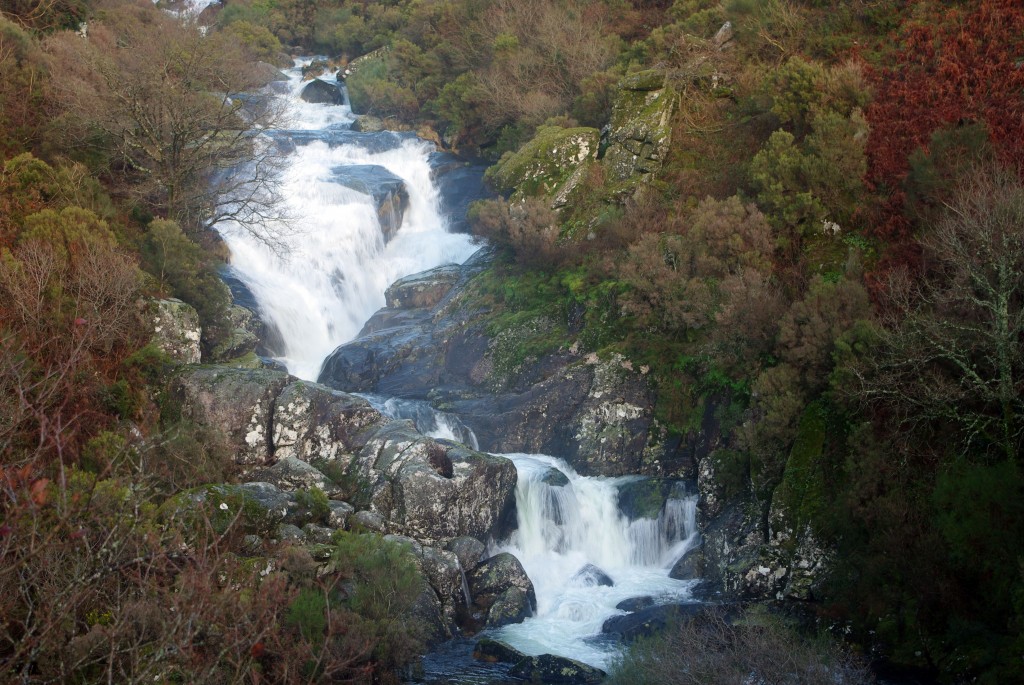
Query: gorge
x: 345, y: 245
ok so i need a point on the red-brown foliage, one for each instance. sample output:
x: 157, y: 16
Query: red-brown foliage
x: 961, y: 68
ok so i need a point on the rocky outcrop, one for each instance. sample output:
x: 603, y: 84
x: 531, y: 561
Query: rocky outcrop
x: 553, y: 163
x: 548, y: 668
x: 176, y: 330
x: 387, y: 191
x: 322, y: 93
x: 640, y: 130
x: 276, y: 425
x: 237, y: 403
x: 502, y: 593
x: 596, y: 412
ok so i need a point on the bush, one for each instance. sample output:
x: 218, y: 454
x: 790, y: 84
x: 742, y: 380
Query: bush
x: 711, y: 649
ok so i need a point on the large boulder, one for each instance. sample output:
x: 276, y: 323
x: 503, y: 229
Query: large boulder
x: 322, y: 93
x: 558, y: 670
x: 237, y: 403
x: 176, y: 330
x: 387, y: 191
x: 500, y: 586
x: 313, y: 423
x: 434, y: 492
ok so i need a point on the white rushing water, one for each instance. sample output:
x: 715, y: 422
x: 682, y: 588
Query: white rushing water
x: 331, y: 277
x: 564, y: 528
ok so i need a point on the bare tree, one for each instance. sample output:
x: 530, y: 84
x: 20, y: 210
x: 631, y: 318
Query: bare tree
x: 174, y: 110
x: 951, y: 352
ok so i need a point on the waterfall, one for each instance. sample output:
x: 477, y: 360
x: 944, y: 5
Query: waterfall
x: 567, y: 521
x: 317, y: 288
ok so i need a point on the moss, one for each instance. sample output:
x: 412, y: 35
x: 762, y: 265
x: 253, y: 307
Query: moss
x: 801, y: 497
x: 542, y: 165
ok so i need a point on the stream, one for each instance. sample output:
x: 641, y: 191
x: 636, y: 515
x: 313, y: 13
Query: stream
x: 339, y: 256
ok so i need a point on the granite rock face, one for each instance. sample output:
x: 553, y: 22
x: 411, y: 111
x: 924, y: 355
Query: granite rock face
x: 286, y: 430
x: 176, y: 330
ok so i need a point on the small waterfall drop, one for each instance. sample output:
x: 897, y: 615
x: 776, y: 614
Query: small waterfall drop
x: 567, y: 521
x: 570, y: 528
x: 330, y: 277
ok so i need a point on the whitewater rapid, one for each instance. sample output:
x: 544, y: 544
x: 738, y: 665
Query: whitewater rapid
x: 318, y: 291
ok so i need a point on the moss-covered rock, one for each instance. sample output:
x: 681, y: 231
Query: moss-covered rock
x: 545, y: 164
x: 640, y: 128
x: 176, y: 330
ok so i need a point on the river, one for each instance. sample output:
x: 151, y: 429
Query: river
x: 317, y: 293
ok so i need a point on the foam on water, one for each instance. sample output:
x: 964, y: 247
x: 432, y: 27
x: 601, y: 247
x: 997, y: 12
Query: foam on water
x: 331, y: 276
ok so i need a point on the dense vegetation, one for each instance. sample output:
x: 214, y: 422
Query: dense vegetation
x: 831, y: 253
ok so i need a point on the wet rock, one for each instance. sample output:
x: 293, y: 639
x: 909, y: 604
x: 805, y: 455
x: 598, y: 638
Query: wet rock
x: 592, y: 576
x: 494, y: 651
x: 688, y: 566
x: 595, y: 412
x: 635, y: 604
x: 322, y: 92
x: 548, y: 668
x: 647, y: 622
x: 424, y: 289
x: 176, y: 330
x: 646, y: 498
x: 459, y: 184
x: 490, y: 581
x: 315, y: 423
x: 387, y: 191
x: 554, y: 478
x: 469, y: 551
x: 511, y: 606
x: 237, y: 403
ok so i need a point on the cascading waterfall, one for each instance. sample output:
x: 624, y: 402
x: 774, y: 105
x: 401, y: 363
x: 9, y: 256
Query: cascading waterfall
x: 330, y: 279
x: 567, y: 521
x: 335, y: 265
